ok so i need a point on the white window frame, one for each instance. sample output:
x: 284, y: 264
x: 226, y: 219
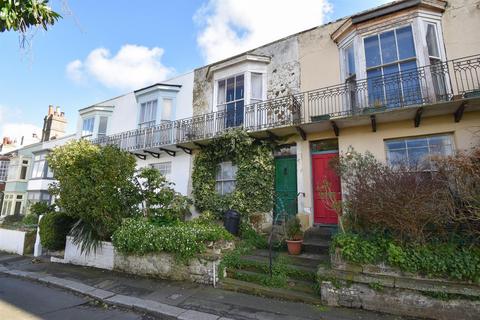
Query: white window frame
x: 4, y: 164
x: 428, y: 137
x: 165, y: 168
x: 152, y: 120
x: 85, y: 133
x: 418, y: 24
x: 220, y: 180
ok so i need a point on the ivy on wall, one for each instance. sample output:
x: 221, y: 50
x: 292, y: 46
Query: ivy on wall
x: 255, y: 175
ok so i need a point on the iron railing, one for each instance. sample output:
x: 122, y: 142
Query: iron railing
x: 438, y: 82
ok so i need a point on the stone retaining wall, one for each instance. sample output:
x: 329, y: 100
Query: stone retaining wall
x: 398, y: 301
x: 201, y: 269
x: 386, y: 289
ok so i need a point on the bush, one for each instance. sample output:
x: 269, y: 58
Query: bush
x: 30, y: 220
x: 95, y: 187
x: 407, y: 204
x: 450, y: 260
x: 39, y: 208
x: 54, y: 228
x: 12, y: 219
x: 460, y: 174
x: 162, y: 204
x: 184, y: 239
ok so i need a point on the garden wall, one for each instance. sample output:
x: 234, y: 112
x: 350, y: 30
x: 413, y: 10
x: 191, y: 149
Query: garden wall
x: 14, y: 241
x: 386, y: 289
x: 102, y: 258
x: 200, y: 269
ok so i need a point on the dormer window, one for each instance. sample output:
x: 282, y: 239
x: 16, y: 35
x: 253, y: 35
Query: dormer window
x: 87, y: 127
x: 148, y: 114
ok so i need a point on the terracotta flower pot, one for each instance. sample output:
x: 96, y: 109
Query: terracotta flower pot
x: 294, y: 247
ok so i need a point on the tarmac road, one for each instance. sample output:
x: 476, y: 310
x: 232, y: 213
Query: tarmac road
x: 26, y: 300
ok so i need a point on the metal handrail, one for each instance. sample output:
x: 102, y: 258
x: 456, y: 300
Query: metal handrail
x: 433, y: 83
x: 283, y: 213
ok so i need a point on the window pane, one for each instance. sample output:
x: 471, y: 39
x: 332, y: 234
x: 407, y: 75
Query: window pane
x: 406, y: 47
x: 228, y: 187
x: 230, y: 89
x: 411, y: 82
x: 239, y: 87
x: 257, y: 86
x: 350, y: 60
x: 153, y: 115
x: 418, y: 142
x: 396, y: 144
x: 417, y: 156
x: 441, y: 145
x: 143, y: 106
x: 221, y: 92
x: 389, y: 48
x: 375, y: 87
x: 87, y: 127
x: 167, y: 109
x: 393, y: 90
x: 432, y: 41
x: 102, y: 126
x: 372, y: 51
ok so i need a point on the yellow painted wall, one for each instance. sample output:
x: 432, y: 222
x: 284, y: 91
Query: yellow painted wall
x: 363, y: 139
x: 319, y: 58
x: 466, y: 134
x: 461, y: 27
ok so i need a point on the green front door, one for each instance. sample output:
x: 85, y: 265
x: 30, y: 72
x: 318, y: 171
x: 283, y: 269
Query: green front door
x: 286, y: 185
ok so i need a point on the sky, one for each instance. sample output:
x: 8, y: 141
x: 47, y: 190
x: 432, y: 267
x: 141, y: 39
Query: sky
x: 102, y: 49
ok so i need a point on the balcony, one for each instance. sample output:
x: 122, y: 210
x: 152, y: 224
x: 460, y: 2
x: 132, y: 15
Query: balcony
x: 440, y: 88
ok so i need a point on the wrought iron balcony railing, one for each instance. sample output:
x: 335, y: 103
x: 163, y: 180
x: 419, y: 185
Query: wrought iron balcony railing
x: 438, y: 82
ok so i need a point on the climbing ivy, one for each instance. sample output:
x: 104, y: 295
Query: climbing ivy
x: 255, y: 174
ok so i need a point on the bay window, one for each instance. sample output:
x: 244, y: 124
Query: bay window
x: 391, y: 64
x: 230, y: 98
x: 148, y: 114
x: 416, y: 152
x: 40, y: 168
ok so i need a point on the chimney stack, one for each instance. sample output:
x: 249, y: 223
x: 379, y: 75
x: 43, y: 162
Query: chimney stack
x: 54, y: 124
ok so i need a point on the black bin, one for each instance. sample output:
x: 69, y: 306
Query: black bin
x: 231, y: 221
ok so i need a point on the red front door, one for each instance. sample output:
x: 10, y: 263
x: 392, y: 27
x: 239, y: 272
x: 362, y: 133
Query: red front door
x: 322, y: 170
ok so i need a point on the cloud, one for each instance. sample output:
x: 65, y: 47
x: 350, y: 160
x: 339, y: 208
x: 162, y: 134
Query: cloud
x: 132, y: 67
x: 229, y: 27
x: 16, y: 130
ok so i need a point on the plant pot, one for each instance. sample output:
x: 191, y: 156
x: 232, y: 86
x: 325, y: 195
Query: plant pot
x: 294, y: 247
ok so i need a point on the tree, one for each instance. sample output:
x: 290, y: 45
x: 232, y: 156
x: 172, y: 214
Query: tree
x: 95, y: 187
x: 21, y: 15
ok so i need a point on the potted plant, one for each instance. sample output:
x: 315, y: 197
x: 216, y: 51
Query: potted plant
x: 294, y: 233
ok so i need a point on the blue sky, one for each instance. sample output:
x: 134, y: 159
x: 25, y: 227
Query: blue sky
x: 109, y: 47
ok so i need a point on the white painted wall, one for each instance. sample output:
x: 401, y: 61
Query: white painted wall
x: 102, y: 258
x: 185, y: 95
x: 12, y: 241
x: 181, y: 169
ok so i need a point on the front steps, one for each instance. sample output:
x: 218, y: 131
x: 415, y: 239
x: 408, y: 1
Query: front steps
x: 297, y: 280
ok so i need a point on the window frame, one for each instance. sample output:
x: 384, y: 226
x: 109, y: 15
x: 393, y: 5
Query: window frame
x: 405, y: 140
x: 220, y: 180
x: 157, y: 166
x: 85, y: 133
x: 142, y: 123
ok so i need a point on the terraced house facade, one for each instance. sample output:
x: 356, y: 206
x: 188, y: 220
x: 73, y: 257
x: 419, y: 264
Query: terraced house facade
x: 401, y: 81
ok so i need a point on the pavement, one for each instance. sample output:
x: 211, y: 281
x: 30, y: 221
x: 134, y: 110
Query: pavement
x: 165, y: 299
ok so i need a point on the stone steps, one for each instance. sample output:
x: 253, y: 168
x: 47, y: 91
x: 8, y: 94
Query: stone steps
x: 277, y: 293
